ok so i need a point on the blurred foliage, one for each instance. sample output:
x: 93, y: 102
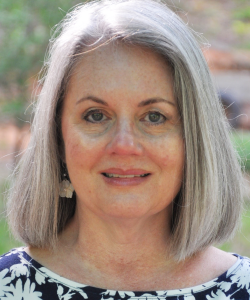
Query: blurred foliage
x: 243, y: 13
x: 241, y: 20
x: 7, y: 241
x: 241, y: 142
x: 241, y: 27
x: 241, y: 241
x: 25, y: 28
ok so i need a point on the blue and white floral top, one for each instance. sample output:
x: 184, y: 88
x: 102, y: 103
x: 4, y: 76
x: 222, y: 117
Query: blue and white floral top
x: 23, y: 278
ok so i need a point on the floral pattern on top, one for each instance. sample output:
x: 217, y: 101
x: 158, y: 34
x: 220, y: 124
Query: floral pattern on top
x: 23, y: 278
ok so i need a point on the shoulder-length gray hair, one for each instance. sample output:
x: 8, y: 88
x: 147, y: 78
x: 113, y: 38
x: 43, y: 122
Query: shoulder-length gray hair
x: 207, y: 208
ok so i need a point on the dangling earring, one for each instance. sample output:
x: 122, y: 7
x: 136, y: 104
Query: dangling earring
x: 66, y: 189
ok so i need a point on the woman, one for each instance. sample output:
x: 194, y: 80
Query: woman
x: 130, y: 177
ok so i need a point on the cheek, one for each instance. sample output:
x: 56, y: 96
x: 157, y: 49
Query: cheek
x: 81, y: 151
x: 74, y: 151
x: 169, y: 152
x: 73, y: 145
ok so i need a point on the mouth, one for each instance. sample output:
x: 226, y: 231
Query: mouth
x: 120, y: 177
x: 111, y: 175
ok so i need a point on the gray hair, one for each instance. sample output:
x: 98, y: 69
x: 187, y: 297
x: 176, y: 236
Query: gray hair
x: 207, y: 208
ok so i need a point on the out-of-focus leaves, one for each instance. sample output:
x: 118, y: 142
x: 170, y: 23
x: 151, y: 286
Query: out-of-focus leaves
x: 241, y: 28
x: 243, y: 13
x: 25, y: 28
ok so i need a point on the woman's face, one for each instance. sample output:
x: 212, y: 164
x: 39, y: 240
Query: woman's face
x: 122, y: 133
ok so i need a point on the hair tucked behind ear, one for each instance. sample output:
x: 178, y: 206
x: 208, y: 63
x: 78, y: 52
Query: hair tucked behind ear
x: 207, y: 209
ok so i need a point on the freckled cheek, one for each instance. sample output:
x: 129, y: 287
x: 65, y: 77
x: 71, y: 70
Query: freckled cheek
x: 170, y: 153
x: 74, y: 151
x: 173, y: 158
x: 80, y: 151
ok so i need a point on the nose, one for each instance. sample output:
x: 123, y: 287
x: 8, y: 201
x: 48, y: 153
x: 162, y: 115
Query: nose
x: 124, y: 141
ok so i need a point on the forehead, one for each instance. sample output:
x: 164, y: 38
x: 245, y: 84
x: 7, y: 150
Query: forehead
x: 121, y: 67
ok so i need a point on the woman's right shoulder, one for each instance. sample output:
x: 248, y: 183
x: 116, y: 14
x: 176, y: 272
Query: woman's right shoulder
x: 10, y: 260
x: 19, y: 278
x: 13, y: 270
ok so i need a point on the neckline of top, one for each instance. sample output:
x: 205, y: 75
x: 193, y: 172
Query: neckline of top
x: 96, y: 290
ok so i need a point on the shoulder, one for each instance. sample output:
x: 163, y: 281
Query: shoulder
x: 241, y: 272
x: 8, y: 259
x: 18, y: 277
x: 22, y: 277
x: 236, y: 281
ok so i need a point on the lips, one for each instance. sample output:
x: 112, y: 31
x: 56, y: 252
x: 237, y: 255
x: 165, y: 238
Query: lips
x: 121, y: 172
x: 110, y: 175
x: 120, y: 177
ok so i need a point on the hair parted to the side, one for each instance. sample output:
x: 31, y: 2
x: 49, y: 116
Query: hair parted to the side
x: 207, y: 208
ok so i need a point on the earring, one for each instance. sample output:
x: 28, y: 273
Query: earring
x: 66, y: 189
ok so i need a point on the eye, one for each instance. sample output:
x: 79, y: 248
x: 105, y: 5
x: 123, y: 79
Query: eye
x: 95, y: 116
x: 155, y: 117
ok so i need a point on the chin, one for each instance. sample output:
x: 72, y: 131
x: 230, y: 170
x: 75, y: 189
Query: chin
x: 128, y: 209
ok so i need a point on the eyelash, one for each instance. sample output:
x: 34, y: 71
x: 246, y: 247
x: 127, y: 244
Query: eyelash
x: 91, y: 112
x: 155, y: 123
x: 150, y: 123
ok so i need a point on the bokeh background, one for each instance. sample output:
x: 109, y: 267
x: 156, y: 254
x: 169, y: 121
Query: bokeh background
x: 222, y: 28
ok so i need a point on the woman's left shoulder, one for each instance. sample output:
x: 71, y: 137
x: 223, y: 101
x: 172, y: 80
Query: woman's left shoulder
x: 240, y: 269
x: 236, y: 280
x: 231, y: 264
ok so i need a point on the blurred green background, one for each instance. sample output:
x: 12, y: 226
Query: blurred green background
x: 25, y: 30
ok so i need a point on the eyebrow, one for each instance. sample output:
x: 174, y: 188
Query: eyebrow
x: 154, y: 100
x: 141, y: 104
x: 92, y: 98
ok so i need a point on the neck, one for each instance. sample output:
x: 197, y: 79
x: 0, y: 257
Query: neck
x: 118, y: 242
x: 115, y: 253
